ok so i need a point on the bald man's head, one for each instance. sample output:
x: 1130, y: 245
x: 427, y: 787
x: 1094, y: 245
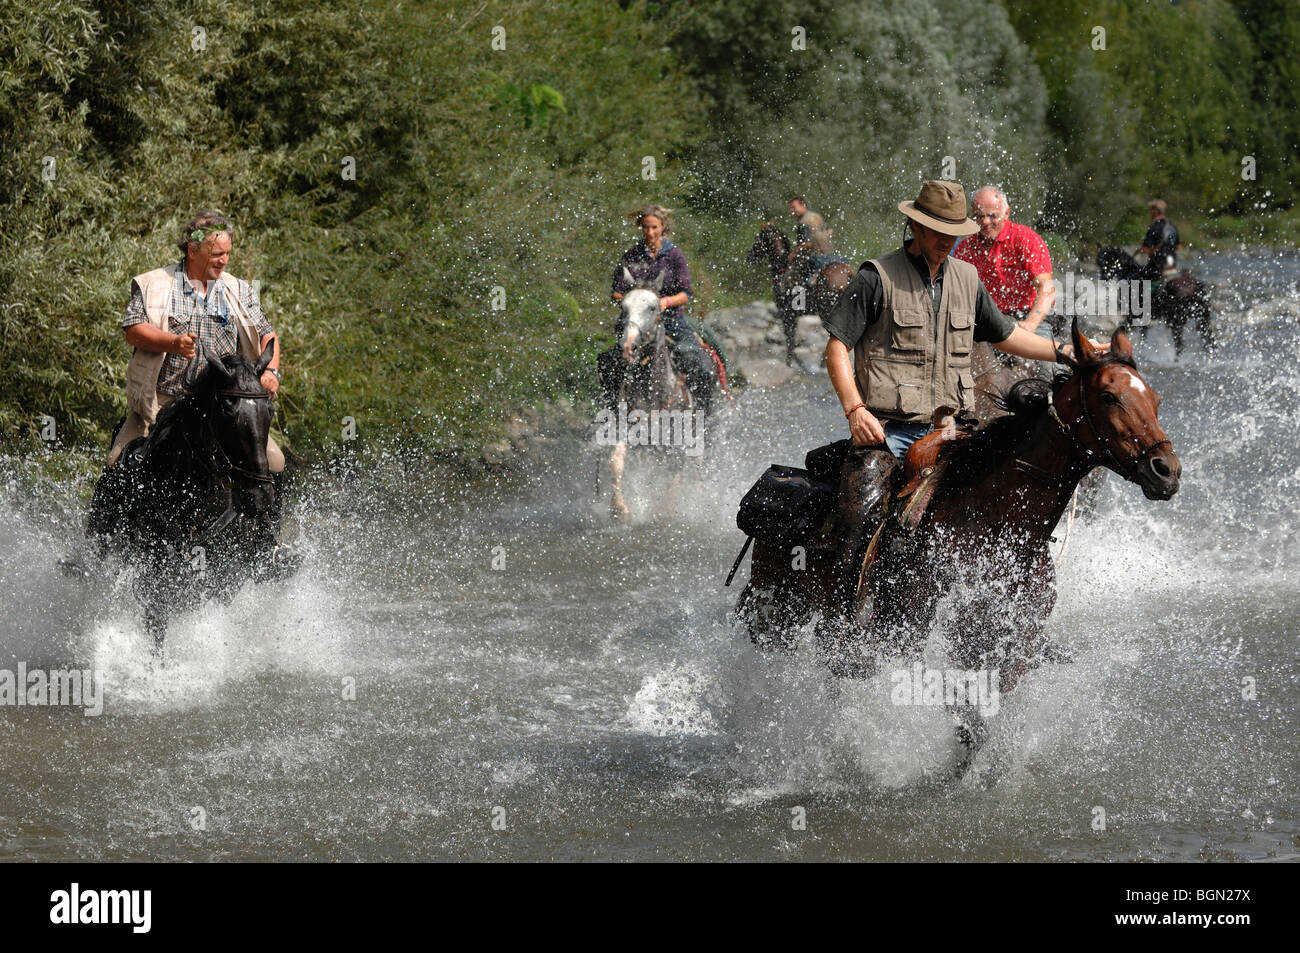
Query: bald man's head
x: 990, y: 210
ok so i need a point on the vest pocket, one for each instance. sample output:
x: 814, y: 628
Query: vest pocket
x: 911, y: 398
x: 961, y: 334
x: 909, y: 331
x: 894, y: 388
x: 966, y: 390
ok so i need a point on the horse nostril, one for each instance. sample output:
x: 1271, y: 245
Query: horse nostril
x: 1161, y: 468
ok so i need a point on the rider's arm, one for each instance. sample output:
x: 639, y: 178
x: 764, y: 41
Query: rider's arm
x: 858, y: 307
x: 275, y: 355
x: 863, y: 425
x: 149, y: 338
x: 1042, y: 305
x: 1024, y: 343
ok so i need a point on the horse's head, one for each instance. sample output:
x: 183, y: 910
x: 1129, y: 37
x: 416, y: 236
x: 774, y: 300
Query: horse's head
x: 1115, y: 262
x: 769, y: 243
x: 1113, y: 414
x: 236, y: 411
x: 640, y: 308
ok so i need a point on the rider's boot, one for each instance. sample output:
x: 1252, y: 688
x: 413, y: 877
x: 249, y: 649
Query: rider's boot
x: 276, y: 559
x: 689, y: 358
x: 866, y: 482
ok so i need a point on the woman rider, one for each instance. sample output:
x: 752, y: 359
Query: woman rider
x: 655, y: 257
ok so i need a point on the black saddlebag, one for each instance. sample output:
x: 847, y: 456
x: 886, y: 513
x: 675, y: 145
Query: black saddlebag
x: 786, y: 507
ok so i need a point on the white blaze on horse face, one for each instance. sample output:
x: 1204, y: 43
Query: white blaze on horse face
x: 1135, y: 383
x: 641, y: 310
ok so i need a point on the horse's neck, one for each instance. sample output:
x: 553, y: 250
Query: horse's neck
x: 778, y: 253
x: 177, y: 458
x: 1035, y: 480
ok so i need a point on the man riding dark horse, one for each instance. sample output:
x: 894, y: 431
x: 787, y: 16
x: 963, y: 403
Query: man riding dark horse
x: 1176, y: 299
x: 808, y: 277
x: 1160, y: 244
x: 193, y: 478
x: 179, y: 310
x: 812, y: 243
x: 910, y: 320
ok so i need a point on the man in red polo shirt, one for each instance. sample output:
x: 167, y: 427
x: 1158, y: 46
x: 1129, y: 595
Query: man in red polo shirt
x: 1012, y: 261
x: 1014, y: 265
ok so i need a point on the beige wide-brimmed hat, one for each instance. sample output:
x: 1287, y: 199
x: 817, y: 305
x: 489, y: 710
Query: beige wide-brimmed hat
x: 941, y: 206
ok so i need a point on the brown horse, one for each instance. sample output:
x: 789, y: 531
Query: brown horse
x: 975, y: 516
x: 1175, y: 301
x: 792, y: 299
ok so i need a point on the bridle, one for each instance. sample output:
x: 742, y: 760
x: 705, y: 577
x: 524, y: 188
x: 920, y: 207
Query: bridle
x: 223, y: 466
x: 1129, y: 471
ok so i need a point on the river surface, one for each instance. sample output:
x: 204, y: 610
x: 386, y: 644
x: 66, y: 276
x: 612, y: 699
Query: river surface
x: 589, y: 698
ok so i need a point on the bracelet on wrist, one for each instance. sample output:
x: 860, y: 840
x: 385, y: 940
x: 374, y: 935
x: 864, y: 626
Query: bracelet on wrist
x: 849, y: 413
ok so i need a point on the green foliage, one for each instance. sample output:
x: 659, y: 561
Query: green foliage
x: 534, y: 103
x: 883, y: 92
x: 380, y: 285
x: 488, y: 175
x: 1179, y: 96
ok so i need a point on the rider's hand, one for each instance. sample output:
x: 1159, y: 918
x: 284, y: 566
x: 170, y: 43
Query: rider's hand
x: 663, y: 304
x: 1101, y: 346
x: 270, y: 382
x: 865, y: 428
x: 185, y: 345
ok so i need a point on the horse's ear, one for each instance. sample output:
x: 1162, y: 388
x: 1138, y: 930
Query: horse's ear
x: 268, y: 352
x: 658, y: 283
x: 192, y: 369
x: 627, y: 276
x: 1084, y: 352
x: 1122, y: 347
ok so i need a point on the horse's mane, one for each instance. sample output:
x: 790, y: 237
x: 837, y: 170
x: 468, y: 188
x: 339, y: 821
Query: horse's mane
x: 184, y: 405
x: 971, y: 459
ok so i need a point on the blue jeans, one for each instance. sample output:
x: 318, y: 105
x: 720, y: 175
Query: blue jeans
x: 899, y: 436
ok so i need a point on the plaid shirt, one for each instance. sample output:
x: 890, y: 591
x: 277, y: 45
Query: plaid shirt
x: 207, y: 318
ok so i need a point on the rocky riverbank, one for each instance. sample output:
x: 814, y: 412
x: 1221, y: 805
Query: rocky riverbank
x: 755, y: 343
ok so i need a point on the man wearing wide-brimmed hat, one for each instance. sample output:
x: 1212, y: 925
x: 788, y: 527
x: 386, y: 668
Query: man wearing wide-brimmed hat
x: 910, y: 319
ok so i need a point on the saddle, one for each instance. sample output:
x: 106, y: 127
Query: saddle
x: 925, y: 465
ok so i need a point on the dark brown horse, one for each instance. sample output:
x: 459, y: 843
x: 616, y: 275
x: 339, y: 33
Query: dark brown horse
x: 974, y: 518
x: 1175, y: 301
x: 791, y: 297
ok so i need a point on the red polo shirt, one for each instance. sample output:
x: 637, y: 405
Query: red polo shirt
x: 1007, y: 266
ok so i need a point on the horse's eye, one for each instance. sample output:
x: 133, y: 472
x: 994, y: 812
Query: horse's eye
x: 1109, y: 398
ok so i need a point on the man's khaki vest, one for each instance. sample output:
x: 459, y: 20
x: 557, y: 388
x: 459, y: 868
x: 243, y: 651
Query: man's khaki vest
x: 817, y: 234
x: 145, y: 366
x: 909, y: 362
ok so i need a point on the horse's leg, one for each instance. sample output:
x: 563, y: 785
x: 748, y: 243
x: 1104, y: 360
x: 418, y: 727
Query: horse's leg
x: 1205, y: 326
x: 774, y: 604
x: 617, y: 505
x: 789, y: 326
x: 1177, y: 322
x: 972, y: 733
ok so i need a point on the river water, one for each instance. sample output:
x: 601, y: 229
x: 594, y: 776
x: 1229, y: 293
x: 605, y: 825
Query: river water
x: 402, y: 699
